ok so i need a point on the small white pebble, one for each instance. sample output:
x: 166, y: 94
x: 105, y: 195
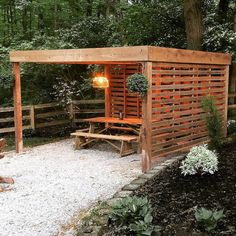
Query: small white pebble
x: 54, y: 181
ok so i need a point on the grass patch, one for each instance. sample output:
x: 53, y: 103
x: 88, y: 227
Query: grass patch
x: 31, y: 141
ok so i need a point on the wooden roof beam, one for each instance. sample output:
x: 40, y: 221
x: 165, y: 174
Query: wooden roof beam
x: 120, y: 55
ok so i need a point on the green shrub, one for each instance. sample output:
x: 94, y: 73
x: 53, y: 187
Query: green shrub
x: 213, y: 122
x: 231, y: 127
x: 208, y: 219
x: 137, y: 83
x: 200, y: 160
x: 134, y: 214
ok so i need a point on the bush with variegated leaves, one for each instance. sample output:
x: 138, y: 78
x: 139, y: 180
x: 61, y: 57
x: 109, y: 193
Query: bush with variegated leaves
x: 200, y: 160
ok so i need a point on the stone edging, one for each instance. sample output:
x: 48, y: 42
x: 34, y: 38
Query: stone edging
x: 92, y: 226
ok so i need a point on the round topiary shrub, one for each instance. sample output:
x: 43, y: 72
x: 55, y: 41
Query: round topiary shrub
x: 137, y: 83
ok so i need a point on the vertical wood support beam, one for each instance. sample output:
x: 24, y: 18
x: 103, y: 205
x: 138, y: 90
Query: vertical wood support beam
x: 147, y: 121
x: 107, y: 93
x: 226, y: 100
x: 17, y: 108
x: 32, y: 117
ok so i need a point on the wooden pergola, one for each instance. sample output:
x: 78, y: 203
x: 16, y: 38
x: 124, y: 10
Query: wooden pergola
x: 171, y: 111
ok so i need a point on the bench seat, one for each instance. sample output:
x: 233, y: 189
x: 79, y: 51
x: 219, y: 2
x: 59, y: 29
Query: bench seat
x: 82, y: 139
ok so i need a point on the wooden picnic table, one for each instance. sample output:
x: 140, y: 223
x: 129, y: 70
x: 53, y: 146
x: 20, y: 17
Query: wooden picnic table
x: 126, y: 124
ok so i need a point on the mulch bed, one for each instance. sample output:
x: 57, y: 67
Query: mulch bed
x: 174, y: 197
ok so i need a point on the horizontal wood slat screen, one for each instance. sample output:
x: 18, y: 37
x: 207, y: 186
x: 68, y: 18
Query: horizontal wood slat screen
x: 177, y: 92
x: 121, y: 100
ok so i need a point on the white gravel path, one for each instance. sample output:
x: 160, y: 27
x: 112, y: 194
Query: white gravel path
x: 54, y: 181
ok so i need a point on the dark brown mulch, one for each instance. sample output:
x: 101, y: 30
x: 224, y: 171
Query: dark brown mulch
x: 174, y: 197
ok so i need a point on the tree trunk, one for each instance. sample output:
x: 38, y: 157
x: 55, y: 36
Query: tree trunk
x: 235, y: 17
x: 223, y: 8
x: 193, y: 24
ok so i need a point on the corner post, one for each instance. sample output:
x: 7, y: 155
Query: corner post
x: 17, y: 108
x: 107, y: 93
x: 147, y: 121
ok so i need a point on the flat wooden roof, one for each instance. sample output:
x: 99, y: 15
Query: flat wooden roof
x: 120, y: 55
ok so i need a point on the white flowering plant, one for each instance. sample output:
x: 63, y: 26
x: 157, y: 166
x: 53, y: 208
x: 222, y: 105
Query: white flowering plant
x: 200, y: 160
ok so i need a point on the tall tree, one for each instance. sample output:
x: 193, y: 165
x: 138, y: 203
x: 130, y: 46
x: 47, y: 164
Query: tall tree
x: 223, y: 8
x: 193, y: 24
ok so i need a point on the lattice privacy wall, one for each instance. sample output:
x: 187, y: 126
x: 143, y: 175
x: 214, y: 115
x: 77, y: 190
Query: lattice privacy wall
x: 121, y: 100
x: 177, y: 92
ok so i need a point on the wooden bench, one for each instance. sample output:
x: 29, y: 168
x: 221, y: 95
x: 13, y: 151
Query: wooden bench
x: 82, y: 139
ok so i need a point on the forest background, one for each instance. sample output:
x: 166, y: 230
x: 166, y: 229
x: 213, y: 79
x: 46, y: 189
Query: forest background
x: 208, y: 25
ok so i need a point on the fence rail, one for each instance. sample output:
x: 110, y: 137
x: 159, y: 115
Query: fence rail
x: 51, y: 114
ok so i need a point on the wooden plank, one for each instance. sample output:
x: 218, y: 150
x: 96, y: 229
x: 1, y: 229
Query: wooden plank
x: 131, y: 121
x: 188, y: 65
x: 175, y: 141
x: 51, y: 114
x: 120, y: 54
x: 188, y: 56
x: 12, y: 129
x: 84, y: 102
x: 90, y: 111
x: 46, y: 105
x: 188, y: 86
x: 11, y: 119
x: 177, y: 134
x: 178, y: 150
x: 178, y: 127
x: 232, y: 106
x: 147, y: 118
x: 127, y: 138
x: 232, y: 95
x: 190, y: 78
x: 175, y: 148
x: 9, y: 109
x: 87, y: 56
x: 194, y: 92
x: 187, y: 72
x: 32, y: 117
x: 18, y: 108
x: 107, y: 93
x: 183, y: 99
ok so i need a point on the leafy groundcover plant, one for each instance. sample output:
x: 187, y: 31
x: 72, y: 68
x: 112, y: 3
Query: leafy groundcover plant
x: 200, y: 160
x: 208, y: 219
x: 134, y: 215
x: 137, y: 83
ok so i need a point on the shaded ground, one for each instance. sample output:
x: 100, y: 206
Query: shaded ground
x: 174, y: 197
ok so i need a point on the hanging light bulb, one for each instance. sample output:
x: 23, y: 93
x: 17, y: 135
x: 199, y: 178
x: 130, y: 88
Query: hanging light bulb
x: 100, y: 82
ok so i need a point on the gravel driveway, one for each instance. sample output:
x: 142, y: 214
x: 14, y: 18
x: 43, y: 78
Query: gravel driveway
x: 53, y: 182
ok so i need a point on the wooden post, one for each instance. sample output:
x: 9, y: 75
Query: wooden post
x: 72, y: 114
x: 17, y: 108
x: 226, y: 100
x: 32, y: 117
x: 107, y: 93
x: 147, y: 121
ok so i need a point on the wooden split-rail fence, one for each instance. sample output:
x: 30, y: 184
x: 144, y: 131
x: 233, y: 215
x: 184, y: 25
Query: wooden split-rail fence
x: 51, y: 114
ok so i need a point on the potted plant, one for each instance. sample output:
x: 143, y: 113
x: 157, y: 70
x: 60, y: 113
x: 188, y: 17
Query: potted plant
x: 137, y: 83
